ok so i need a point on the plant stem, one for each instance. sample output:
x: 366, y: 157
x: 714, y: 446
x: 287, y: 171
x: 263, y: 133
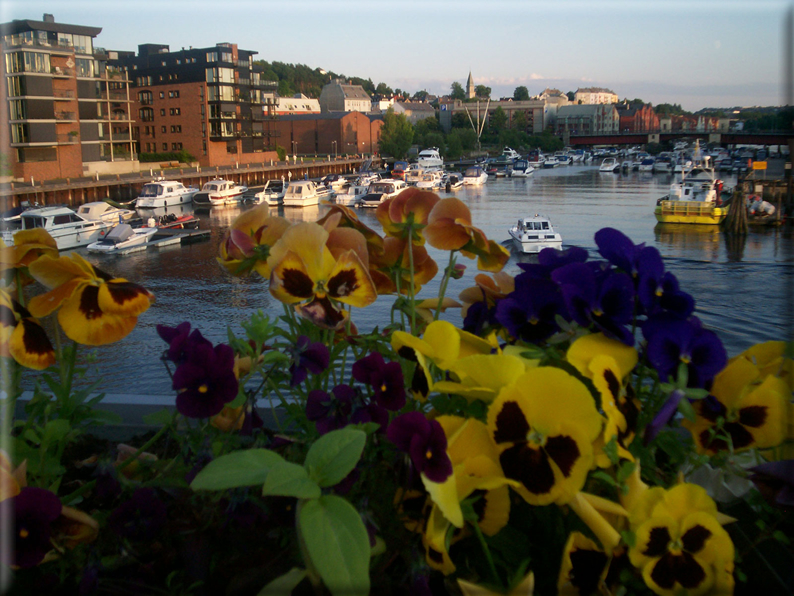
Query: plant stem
x: 444, y: 282
x: 487, y: 552
x: 411, y: 265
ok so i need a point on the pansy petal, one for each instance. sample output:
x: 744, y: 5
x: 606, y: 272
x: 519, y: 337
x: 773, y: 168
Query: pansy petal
x: 349, y: 282
x: 120, y: 297
x: 84, y: 322
x: 290, y: 281
x: 44, y: 304
x: 30, y: 346
x: 445, y: 496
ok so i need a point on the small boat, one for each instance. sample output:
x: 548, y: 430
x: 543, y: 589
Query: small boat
x: 351, y: 195
x: 380, y: 191
x: 522, y: 169
x: 452, y: 181
x: 551, y: 162
x: 536, y: 158
x: 413, y: 174
x: 533, y: 234
x: 334, y: 182
x: 164, y: 193
x: 431, y: 180
x: 121, y: 237
x: 172, y: 221
x: 67, y: 228
x: 510, y: 153
x: 272, y: 193
x: 430, y: 158
x: 563, y: 159
x: 100, y: 210
x: 303, y: 193
x: 398, y: 171
x: 695, y: 197
x: 474, y: 176
x: 610, y: 164
x: 499, y: 167
x: 646, y: 165
x: 219, y: 192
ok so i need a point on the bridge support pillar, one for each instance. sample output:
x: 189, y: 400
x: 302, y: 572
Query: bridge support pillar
x: 653, y: 137
x: 715, y: 137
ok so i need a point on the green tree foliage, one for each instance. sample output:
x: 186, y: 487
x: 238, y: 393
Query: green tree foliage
x: 499, y: 120
x: 670, y: 109
x: 420, y: 95
x: 546, y: 142
x: 521, y: 93
x: 295, y: 78
x: 571, y: 95
x: 383, y: 89
x: 460, y: 121
x: 520, y: 122
x: 396, y: 136
x: 482, y: 91
x: 457, y: 91
x: 435, y: 139
x: 454, y: 146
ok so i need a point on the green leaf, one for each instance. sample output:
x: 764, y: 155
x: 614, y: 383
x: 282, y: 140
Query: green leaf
x: 290, y: 480
x: 334, y: 455
x: 159, y: 418
x: 54, y: 431
x: 629, y: 538
x: 240, y: 468
x: 285, y: 583
x: 337, y: 544
x: 686, y: 409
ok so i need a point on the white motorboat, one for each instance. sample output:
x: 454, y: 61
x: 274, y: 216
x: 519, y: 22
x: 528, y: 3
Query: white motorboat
x: 121, y: 238
x: 351, y: 195
x: 272, y: 193
x: 536, y: 158
x: 646, y: 165
x: 380, y: 191
x: 551, y: 162
x: 452, y: 181
x: 67, y: 228
x: 431, y: 180
x: 430, y: 158
x: 413, y: 174
x: 563, y: 159
x: 610, y: 164
x: 474, y: 176
x: 522, y: 169
x: 533, y: 234
x: 335, y: 182
x: 510, y: 153
x: 219, y: 192
x: 100, y: 210
x: 164, y: 193
x: 303, y: 193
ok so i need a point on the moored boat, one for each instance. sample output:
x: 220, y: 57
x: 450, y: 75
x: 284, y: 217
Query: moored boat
x: 351, y: 195
x: 302, y: 193
x: 219, y: 192
x: 380, y: 191
x: 164, y: 193
x: 533, y: 234
x: 100, y: 210
x: 272, y: 193
x: 172, y: 221
x: 695, y: 197
x: 610, y: 164
x: 67, y: 228
x: 120, y: 238
x: 522, y: 169
x: 474, y: 176
x: 430, y: 158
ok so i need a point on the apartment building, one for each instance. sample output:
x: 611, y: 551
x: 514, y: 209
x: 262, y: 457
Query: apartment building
x: 339, y: 96
x: 587, y: 119
x: 533, y: 110
x: 211, y: 102
x: 66, y: 109
x: 591, y: 95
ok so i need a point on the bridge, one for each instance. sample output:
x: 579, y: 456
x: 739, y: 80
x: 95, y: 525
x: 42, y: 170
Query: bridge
x: 718, y: 137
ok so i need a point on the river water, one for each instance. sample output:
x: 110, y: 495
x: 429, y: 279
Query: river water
x: 741, y: 287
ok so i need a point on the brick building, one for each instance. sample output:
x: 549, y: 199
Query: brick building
x: 211, y: 102
x: 586, y: 119
x: 334, y: 133
x: 533, y: 110
x: 66, y: 110
x: 637, y: 117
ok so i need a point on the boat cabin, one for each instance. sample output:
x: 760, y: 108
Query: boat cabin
x: 532, y: 224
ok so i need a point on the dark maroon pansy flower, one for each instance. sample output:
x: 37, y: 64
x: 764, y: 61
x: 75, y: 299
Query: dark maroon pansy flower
x: 142, y: 517
x: 205, y: 380
x: 330, y: 411
x: 307, y: 357
x: 386, y: 380
x: 672, y: 341
x: 371, y: 413
x: 424, y: 441
x: 180, y: 340
x: 33, y: 512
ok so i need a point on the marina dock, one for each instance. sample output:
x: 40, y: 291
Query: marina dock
x: 165, y: 238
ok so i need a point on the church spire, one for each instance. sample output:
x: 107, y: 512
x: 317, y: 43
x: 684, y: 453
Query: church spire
x: 470, y: 87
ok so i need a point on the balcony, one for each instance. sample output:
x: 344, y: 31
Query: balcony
x: 58, y: 71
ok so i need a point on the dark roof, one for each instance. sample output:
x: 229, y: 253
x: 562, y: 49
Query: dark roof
x: 19, y: 26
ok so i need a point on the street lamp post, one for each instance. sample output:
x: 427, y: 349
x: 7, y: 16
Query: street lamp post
x: 334, y: 144
x: 294, y: 149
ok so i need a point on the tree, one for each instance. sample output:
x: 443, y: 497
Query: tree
x: 482, y: 91
x: 396, y: 135
x: 499, y: 120
x: 457, y: 91
x: 521, y: 93
x: 420, y: 95
x: 520, y: 122
x: 571, y: 95
x: 383, y: 89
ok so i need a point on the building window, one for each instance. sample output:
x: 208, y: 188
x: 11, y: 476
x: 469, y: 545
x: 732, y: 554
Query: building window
x: 174, y: 111
x: 163, y: 129
x: 19, y: 133
x: 204, y: 147
x: 162, y: 94
x: 176, y: 128
x: 146, y: 114
x: 27, y: 62
x: 85, y: 67
x: 165, y: 146
x: 212, y: 57
x: 145, y: 97
x: 173, y: 94
x: 162, y: 111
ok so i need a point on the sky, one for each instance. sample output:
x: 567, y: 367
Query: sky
x: 696, y: 53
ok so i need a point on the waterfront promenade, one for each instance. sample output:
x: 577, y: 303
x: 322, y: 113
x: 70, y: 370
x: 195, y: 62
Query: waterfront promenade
x: 76, y: 191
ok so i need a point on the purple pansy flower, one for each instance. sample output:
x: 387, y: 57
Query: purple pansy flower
x: 330, y: 411
x: 142, y: 517
x: 307, y: 357
x: 32, y: 512
x: 618, y: 249
x: 180, y: 340
x: 386, y: 380
x: 672, y: 341
x: 604, y: 299
x: 775, y: 481
x: 529, y: 312
x: 425, y: 442
x: 663, y: 416
x: 205, y: 380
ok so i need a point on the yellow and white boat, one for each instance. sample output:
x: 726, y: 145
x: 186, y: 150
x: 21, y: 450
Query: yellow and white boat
x: 691, y: 212
x: 694, y: 199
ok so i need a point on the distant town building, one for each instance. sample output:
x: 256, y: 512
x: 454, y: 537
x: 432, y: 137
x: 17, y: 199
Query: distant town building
x: 331, y: 133
x: 533, y: 110
x: 470, y: 87
x: 68, y: 111
x: 637, y: 117
x: 684, y: 123
x: 414, y: 111
x: 555, y: 96
x: 212, y: 102
x: 591, y: 95
x: 339, y: 96
x: 297, y: 104
x: 586, y: 119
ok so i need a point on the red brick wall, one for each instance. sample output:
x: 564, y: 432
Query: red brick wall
x: 354, y: 133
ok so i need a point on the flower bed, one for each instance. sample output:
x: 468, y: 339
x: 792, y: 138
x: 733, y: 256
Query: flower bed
x: 580, y: 433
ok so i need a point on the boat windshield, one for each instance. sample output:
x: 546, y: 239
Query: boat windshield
x: 151, y: 190
x: 28, y: 223
x: 536, y: 225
